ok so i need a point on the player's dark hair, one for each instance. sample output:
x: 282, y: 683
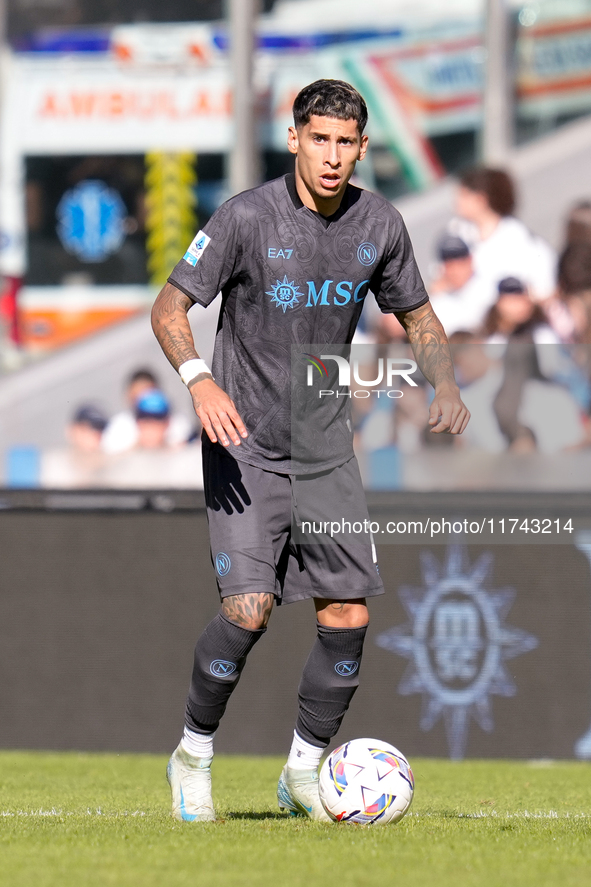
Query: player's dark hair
x: 495, y: 184
x: 330, y: 98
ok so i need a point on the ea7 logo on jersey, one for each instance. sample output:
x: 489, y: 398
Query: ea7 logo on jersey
x: 196, y: 249
x: 274, y: 253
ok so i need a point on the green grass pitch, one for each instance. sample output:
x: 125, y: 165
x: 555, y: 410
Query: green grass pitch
x: 100, y: 820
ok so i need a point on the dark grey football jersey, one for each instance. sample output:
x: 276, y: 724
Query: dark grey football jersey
x: 288, y: 276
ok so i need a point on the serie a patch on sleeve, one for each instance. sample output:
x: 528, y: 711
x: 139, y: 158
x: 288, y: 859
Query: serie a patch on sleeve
x: 196, y: 248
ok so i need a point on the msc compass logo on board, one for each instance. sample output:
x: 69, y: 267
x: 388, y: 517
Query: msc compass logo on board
x: 457, y: 644
x: 385, y: 372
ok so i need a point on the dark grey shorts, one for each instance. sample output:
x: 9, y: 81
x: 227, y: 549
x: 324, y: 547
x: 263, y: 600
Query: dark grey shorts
x: 250, y: 513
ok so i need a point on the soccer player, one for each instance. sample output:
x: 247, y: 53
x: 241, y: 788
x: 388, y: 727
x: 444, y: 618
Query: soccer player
x: 294, y: 260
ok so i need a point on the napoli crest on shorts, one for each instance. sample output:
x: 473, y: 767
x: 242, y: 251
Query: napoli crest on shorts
x: 346, y: 668
x: 367, y: 253
x: 222, y: 564
x: 222, y: 668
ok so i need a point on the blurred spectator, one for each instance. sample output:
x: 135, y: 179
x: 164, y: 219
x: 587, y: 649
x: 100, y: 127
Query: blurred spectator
x: 411, y: 419
x: 152, y: 416
x: 509, y: 407
x: 480, y: 376
x: 516, y: 316
x: 569, y: 311
x: 578, y: 223
x: 517, y: 321
x: 574, y: 268
x: 389, y: 330
x: 154, y: 462
x: 502, y: 246
x: 82, y: 463
x: 86, y: 430
x: 460, y: 299
x: 121, y: 433
x: 574, y: 288
x: 387, y: 422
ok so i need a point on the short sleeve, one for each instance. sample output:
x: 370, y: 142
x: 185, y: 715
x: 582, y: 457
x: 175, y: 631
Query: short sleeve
x: 210, y: 259
x: 397, y: 283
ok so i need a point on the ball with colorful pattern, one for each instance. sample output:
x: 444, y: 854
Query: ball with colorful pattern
x: 366, y: 782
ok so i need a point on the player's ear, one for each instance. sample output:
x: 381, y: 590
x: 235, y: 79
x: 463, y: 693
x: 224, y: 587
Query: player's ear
x: 292, y: 140
x: 363, y: 147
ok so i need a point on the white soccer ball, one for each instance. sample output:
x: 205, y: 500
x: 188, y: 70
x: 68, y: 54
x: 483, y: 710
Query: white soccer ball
x: 367, y: 782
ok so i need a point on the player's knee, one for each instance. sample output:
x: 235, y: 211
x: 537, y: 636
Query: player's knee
x: 342, y: 614
x: 251, y: 611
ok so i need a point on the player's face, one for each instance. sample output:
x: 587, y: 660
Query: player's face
x: 326, y: 150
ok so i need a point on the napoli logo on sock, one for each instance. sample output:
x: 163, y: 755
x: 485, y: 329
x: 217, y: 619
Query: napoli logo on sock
x: 221, y: 668
x: 222, y: 564
x: 346, y: 668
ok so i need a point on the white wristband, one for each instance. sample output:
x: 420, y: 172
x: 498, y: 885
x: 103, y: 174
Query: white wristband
x: 192, y: 368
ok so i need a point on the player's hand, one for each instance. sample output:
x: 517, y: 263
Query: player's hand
x: 217, y: 413
x: 447, y: 412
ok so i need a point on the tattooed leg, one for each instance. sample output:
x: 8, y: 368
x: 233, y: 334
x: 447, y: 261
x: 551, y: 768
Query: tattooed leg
x: 250, y: 611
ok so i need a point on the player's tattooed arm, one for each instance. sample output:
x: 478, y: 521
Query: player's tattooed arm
x: 171, y: 325
x: 433, y: 354
x: 250, y: 611
x: 214, y: 407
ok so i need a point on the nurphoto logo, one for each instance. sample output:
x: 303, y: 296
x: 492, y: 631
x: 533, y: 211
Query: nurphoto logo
x: 387, y: 370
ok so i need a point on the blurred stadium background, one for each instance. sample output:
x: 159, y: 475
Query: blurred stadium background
x: 123, y: 125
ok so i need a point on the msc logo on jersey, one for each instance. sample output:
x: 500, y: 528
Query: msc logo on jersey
x: 367, y: 253
x: 221, y: 668
x: 196, y: 248
x: 285, y: 293
x: 222, y: 564
x: 346, y: 668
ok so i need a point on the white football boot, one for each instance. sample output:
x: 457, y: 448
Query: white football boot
x: 190, y: 782
x: 297, y: 793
